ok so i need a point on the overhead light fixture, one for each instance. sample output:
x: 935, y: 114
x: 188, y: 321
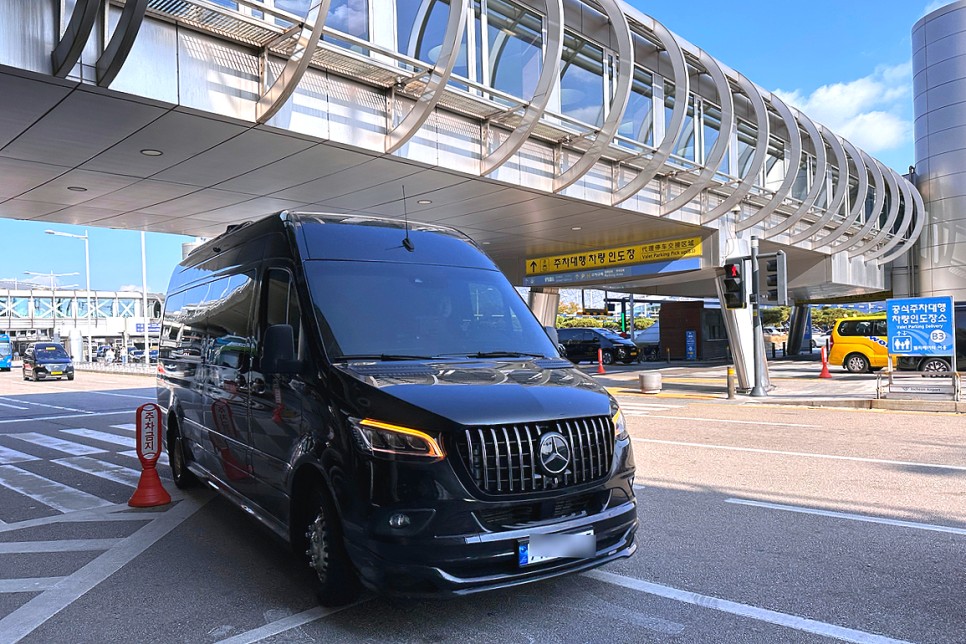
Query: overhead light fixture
x: 424, y: 202
x: 485, y: 243
x: 575, y: 228
x: 151, y: 153
x: 77, y: 188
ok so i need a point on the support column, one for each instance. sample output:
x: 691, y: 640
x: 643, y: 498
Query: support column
x: 544, y: 302
x: 797, y: 324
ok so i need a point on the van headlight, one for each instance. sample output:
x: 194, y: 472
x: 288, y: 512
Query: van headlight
x: 620, y: 425
x: 388, y: 440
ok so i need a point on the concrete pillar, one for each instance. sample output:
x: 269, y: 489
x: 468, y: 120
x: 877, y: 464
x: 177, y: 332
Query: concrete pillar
x: 544, y: 302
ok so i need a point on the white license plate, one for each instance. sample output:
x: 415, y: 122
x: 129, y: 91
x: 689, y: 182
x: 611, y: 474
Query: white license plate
x: 546, y: 547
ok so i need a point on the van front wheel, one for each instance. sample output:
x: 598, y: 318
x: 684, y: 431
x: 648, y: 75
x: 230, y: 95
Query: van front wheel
x: 337, y: 581
x: 183, y: 477
x: 857, y: 363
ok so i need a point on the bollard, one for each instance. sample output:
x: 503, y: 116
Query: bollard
x: 784, y: 349
x: 773, y: 356
x: 149, y: 492
x: 731, y: 383
x: 650, y: 382
x: 669, y: 355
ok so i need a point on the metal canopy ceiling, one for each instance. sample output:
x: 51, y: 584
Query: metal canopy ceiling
x: 57, y: 137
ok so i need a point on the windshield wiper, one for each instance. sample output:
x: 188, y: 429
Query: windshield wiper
x: 496, y: 354
x: 385, y: 357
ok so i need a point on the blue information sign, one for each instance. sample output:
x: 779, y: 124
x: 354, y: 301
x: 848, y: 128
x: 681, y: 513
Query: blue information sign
x: 921, y: 326
x: 690, y: 345
x: 152, y: 327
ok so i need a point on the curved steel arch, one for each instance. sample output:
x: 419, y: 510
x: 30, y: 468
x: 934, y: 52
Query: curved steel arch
x: 838, y: 196
x: 71, y: 44
x: 439, y: 75
x: 877, y: 203
x: 758, y: 158
x: 111, y: 60
x: 622, y: 94
x: 861, y: 190
x: 818, y: 181
x: 794, y: 158
x: 907, y: 214
x: 890, y: 177
x: 541, y: 93
x: 920, y: 214
x: 682, y: 87
x: 272, y: 99
x: 721, y: 145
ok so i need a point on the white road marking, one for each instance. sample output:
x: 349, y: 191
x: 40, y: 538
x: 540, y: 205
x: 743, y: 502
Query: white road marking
x: 66, y: 545
x: 127, y: 427
x: 51, y: 493
x: 101, y: 469
x: 848, y: 515
x: 284, y: 624
x: 34, y: 419
x: 57, y: 444
x: 736, y: 422
x: 104, y: 437
x: 29, y: 585
x: 107, y: 513
x: 8, y: 455
x: 31, y: 615
x: 785, y: 620
x: 37, y: 404
x: 859, y: 459
x: 12, y: 406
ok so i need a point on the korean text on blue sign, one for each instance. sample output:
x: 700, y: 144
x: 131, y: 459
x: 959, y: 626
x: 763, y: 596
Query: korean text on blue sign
x: 921, y: 326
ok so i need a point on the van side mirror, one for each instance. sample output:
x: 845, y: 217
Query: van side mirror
x: 278, y: 350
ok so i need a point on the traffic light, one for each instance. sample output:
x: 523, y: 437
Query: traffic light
x: 735, y: 286
x: 773, y: 284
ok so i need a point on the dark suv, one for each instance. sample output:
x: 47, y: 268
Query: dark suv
x: 582, y: 344
x: 44, y: 360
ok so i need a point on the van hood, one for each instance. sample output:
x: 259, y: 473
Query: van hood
x: 485, y: 392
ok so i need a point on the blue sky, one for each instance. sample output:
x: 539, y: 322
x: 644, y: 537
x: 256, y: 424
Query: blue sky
x: 844, y: 63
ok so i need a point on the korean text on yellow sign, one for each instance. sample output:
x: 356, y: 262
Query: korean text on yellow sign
x: 641, y: 253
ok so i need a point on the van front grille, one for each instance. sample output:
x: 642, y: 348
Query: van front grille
x: 505, y: 459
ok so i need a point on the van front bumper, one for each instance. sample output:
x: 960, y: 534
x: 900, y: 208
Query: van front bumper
x: 470, y: 563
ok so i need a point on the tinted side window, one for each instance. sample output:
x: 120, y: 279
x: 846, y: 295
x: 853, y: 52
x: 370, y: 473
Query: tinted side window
x: 856, y: 327
x: 229, y: 309
x: 880, y: 327
x: 565, y: 335
x: 280, y: 303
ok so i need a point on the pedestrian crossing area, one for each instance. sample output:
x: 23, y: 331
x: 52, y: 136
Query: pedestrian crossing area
x: 633, y: 407
x: 43, y: 467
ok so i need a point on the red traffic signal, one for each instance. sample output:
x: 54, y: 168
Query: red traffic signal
x: 735, y: 287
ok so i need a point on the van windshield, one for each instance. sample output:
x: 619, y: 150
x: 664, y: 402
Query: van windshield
x: 397, y: 311
x: 50, y: 351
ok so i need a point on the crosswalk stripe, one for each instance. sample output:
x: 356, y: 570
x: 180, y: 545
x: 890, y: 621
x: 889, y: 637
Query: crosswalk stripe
x: 128, y: 427
x: 57, y: 444
x: 31, y: 585
x: 51, y: 493
x: 64, y: 545
x: 646, y: 406
x: 101, y: 469
x: 104, y: 437
x: 8, y: 455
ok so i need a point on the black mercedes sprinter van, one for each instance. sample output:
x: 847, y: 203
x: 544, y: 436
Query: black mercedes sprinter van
x: 378, y: 395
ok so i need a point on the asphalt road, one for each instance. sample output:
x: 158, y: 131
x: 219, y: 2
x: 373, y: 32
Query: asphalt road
x: 758, y: 524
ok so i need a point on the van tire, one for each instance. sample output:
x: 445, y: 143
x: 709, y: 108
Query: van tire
x: 856, y: 363
x: 178, y: 459
x: 337, y: 583
x: 607, y: 357
x: 934, y: 365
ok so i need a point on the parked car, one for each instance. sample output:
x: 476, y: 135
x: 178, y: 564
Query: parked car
x: 820, y: 338
x: 861, y: 343
x: 582, y: 344
x: 43, y: 360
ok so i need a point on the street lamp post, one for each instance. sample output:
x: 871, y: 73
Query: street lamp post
x: 87, y: 268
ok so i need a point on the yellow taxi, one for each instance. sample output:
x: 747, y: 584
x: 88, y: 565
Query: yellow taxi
x: 861, y: 343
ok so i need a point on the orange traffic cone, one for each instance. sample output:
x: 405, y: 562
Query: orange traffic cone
x: 825, y: 373
x: 600, y: 361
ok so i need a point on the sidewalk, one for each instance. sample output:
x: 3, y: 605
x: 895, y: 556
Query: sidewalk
x: 795, y: 381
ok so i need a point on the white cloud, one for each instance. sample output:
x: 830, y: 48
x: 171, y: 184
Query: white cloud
x: 936, y: 4
x: 132, y: 288
x: 871, y: 112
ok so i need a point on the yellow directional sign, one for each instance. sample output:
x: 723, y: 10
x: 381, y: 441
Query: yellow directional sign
x: 639, y: 253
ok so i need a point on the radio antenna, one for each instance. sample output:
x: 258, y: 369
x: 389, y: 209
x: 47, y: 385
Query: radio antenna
x: 407, y: 242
